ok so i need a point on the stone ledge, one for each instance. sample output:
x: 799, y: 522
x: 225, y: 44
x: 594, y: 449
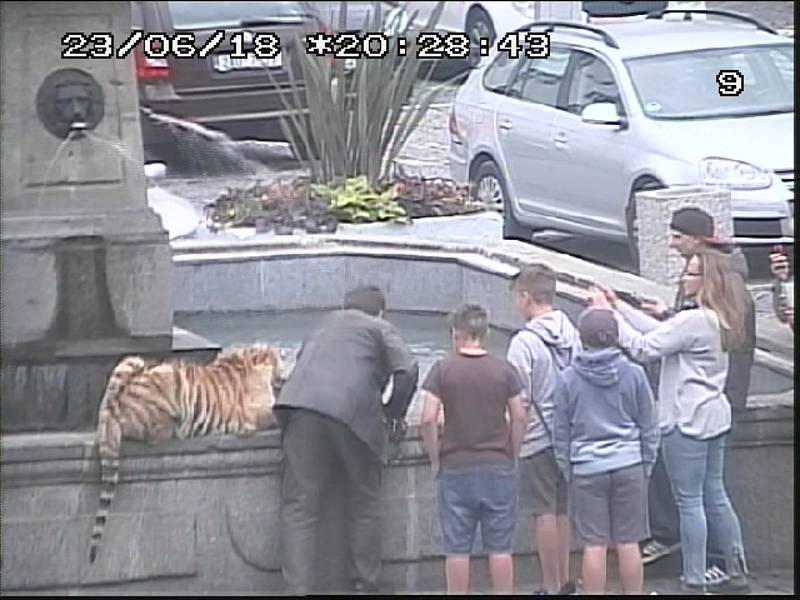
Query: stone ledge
x: 60, y: 458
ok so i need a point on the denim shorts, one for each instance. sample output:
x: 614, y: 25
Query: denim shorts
x: 485, y: 495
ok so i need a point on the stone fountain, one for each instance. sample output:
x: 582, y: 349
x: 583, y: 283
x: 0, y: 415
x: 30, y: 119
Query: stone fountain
x: 88, y: 276
x: 87, y: 266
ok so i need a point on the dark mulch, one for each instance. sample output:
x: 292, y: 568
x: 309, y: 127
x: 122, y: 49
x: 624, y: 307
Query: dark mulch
x: 284, y: 207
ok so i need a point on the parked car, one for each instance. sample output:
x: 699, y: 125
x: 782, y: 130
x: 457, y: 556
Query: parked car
x: 232, y: 95
x: 563, y: 143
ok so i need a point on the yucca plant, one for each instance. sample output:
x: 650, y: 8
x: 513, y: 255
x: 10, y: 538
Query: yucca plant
x: 356, y: 123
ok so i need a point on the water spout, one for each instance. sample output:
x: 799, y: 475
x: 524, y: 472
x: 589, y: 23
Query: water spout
x: 79, y: 129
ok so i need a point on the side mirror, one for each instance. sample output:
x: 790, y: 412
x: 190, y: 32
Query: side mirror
x: 603, y: 113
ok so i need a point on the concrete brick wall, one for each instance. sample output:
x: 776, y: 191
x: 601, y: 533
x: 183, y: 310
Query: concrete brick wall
x: 654, y: 213
x: 203, y: 515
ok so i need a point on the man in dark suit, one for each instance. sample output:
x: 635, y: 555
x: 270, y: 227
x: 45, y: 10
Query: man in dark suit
x: 332, y: 419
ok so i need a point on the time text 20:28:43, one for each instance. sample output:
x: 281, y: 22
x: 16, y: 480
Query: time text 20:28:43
x: 427, y: 45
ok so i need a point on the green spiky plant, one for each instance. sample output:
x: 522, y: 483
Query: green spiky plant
x: 357, y: 123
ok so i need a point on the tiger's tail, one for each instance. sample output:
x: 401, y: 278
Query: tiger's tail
x: 109, y: 440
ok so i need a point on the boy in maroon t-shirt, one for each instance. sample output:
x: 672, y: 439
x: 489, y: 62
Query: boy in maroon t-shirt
x: 477, y: 481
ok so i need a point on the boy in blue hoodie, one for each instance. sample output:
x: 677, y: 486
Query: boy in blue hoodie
x: 605, y: 442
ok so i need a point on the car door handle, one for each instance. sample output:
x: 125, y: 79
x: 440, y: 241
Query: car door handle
x: 560, y: 139
x: 505, y: 124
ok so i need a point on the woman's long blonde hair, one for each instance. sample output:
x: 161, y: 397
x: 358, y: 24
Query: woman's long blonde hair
x: 722, y: 291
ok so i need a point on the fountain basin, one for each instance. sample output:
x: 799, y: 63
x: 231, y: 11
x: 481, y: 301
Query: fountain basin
x: 212, y: 505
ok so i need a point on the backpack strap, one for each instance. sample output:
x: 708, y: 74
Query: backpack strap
x: 533, y: 402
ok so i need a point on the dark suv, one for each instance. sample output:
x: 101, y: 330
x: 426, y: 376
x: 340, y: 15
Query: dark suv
x: 234, y: 95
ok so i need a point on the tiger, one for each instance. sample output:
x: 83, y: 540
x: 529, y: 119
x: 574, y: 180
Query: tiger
x: 156, y: 402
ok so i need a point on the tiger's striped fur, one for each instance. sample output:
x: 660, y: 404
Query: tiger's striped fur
x: 156, y: 402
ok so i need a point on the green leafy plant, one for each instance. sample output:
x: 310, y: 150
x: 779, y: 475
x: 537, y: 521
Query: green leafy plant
x: 357, y: 122
x: 355, y: 201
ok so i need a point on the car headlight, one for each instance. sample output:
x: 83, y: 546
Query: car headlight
x: 526, y: 9
x: 734, y: 173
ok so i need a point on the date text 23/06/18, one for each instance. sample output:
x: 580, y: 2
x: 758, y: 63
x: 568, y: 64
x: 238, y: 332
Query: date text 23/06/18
x: 427, y: 45
x: 160, y: 45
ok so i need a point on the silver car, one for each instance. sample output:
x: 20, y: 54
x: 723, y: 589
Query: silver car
x: 563, y: 143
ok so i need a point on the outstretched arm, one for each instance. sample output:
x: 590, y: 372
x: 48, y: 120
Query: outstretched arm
x: 670, y: 337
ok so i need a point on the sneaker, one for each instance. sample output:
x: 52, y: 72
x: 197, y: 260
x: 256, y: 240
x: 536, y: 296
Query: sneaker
x: 735, y: 581
x: 540, y: 591
x: 568, y: 589
x: 716, y: 576
x: 655, y: 550
x: 694, y: 589
x: 731, y: 587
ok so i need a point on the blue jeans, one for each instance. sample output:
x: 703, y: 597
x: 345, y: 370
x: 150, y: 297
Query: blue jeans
x: 695, y: 469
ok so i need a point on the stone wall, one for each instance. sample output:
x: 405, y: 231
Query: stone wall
x: 203, y: 515
x: 416, y: 276
x: 654, y: 211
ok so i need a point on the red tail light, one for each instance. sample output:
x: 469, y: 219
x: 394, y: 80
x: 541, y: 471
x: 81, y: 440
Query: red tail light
x: 150, y: 68
x: 455, y: 134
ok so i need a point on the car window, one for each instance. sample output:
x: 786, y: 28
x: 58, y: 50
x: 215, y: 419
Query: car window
x: 207, y: 15
x: 783, y: 61
x: 685, y: 85
x: 499, y: 73
x: 539, y: 79
x: 592, y: 81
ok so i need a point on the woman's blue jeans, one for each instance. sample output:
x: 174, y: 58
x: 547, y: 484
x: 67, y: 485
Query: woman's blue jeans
x: 695, y: 469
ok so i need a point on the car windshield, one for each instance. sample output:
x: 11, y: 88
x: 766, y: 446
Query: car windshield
x: 208, y: 15
x: 685, y: 85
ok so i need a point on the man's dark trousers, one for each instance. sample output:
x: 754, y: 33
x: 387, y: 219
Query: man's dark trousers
x: 319, y: 453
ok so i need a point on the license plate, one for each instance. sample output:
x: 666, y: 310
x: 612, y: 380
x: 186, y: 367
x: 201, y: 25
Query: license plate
x: 224, y: 63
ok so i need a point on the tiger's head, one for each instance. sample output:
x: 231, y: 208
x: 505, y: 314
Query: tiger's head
x: 260, y: 356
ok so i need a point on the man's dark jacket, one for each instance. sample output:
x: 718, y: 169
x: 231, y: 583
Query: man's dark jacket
x: 740, y: 361
x: 343, y: 368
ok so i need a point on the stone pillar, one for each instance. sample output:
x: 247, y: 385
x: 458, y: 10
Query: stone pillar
x: 654, y: 209
x: 86, y: 262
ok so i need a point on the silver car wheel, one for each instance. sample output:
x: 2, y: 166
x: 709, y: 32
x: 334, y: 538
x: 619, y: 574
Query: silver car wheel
x: 490, y: 193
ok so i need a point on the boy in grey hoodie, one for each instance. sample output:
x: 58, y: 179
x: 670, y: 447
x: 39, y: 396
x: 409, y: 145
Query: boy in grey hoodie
x: 605, y: 443
x: 539, y: 352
